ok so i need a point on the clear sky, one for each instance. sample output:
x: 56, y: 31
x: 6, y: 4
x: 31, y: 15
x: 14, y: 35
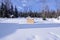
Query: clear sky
x: 35, y: 5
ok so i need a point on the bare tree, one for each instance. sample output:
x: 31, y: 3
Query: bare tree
x: 7, y: 3
x: 43, y: 6
x: 58, y: 7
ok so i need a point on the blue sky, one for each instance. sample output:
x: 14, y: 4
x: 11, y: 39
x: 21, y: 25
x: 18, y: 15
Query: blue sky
x: 34, y: 5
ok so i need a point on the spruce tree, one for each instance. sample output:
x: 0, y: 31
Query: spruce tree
x: 16, y: 12
x: 2, y: 10
x: 6, y: 11
x: 11, y: 10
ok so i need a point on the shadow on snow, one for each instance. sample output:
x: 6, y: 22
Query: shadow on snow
x: 6, y: 29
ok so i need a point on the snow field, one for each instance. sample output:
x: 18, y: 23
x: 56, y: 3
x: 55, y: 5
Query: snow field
x: 34, y: 34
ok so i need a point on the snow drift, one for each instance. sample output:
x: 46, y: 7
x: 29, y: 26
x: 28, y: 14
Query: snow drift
x: 24, y: 20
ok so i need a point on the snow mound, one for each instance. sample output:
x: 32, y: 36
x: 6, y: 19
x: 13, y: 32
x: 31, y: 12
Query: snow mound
x: 24, y: 20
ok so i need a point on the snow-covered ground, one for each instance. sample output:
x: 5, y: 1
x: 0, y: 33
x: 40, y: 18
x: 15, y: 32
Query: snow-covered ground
x: 19, y: 29
x: 24, y: 20
x: 28, y: 32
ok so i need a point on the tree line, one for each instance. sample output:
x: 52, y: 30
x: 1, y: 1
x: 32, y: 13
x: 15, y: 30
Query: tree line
x: 13, y: 12
x: 47, y: 14
x: 6, y: 12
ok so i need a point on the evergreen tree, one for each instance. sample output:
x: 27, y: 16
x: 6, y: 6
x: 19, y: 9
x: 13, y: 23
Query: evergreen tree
x: 6, y: 11
x: 11, y: 10
x: 2, y: 10
x: 16, y: 12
